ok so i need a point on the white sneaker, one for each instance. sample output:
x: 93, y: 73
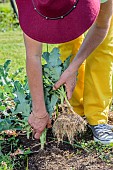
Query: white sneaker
x: 102, y: 133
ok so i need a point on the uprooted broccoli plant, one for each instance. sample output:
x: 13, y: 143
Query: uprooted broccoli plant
x: 68, y: 123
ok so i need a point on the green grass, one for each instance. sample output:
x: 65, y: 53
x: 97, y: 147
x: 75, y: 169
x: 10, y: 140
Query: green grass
x: 12, y: 47
x: 5, y: 5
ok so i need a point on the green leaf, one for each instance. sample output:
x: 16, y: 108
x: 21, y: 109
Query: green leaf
x: 5, y: 124
x: 45, y: 55
x: 19, y: 91
x: 49, y: 106
x: 54, y: 100
x: 7, y: 89
x: 46, y: 92
x: 56, y: 73
x: 23, y: 108
x: 2, y: 108
x: 21, y: 96
x: 47, y: 70
x: 18, y: 86
x: 2, y: 81
x: 54, y: 59
x: 2, y: 97
x: 66, y: 63
x: 6, y: 64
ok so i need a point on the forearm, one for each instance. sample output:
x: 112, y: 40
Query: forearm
x: 94, y: 38
x: 95, y: 35
x: 39, y: 118
x: 34, y: 73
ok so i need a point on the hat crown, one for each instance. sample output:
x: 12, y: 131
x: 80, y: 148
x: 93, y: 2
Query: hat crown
x: 56, y: 31
x: 53, y: 8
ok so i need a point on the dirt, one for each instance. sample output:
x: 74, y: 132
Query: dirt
x: 64, y: 156
x: 110, y: 117
x: 56, y: 159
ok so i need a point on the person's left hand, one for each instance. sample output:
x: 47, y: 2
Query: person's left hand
x: 68, y: 78
x: 39, y: 124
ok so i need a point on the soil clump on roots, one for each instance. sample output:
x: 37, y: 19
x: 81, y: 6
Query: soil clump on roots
x: 68, y: 124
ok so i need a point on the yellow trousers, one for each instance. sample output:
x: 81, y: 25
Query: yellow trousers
x: 93, y: 92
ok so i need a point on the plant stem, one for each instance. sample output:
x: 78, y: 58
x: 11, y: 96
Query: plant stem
x: 43, y: 138
x: 66, y: 99
x: 27, y: 164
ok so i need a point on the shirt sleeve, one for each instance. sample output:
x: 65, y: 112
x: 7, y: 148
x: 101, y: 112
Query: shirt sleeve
x: 102, y: 1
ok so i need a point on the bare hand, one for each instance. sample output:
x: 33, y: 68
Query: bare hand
x: 39, y: 124
x: 68, y: 78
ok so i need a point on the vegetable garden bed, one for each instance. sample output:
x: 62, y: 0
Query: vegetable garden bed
x: 18, y: 149
x: 85, y: 154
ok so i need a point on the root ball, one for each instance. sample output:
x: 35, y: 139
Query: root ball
x: 68, y: 124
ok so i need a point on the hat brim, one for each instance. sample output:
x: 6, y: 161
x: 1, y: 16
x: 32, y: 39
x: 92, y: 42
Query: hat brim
x: 61, y: 30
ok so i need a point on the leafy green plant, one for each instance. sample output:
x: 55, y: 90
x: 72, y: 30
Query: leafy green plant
x: 7, y: 85
x: 52, y: 71
x: 69, y: 123
x: 14, y: 97
x: 22, y: 105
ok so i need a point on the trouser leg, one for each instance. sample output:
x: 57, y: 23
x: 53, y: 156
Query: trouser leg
x: 98, y: 82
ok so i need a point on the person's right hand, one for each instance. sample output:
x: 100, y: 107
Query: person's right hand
x: 68, y: 78
x: 39, y: 124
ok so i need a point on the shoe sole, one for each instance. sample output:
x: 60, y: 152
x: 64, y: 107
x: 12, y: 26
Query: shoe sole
x: 103, y: 142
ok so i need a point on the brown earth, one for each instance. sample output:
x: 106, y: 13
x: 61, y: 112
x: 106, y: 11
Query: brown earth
x: 85, y: 154
x: 63, y: 156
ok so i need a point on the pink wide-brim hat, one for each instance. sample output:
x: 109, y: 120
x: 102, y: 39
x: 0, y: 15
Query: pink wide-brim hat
x: 56, y: 21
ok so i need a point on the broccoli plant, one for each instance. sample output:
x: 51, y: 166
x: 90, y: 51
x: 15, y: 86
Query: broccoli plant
x: 52, y: 71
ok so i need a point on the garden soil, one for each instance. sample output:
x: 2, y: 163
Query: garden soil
x: 64, y: 156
